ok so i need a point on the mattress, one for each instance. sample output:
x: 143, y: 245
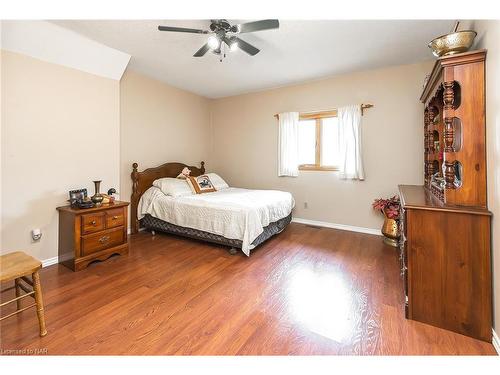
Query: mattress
x: 232, y: 213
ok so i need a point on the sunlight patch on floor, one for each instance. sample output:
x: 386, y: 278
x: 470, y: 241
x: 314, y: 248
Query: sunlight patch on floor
x: 321, y: 302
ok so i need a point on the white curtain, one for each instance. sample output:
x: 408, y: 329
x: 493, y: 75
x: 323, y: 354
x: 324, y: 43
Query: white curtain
x: 288, y: 144
x: 349, y: 128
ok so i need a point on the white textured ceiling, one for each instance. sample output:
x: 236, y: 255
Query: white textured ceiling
x: 298, y: 51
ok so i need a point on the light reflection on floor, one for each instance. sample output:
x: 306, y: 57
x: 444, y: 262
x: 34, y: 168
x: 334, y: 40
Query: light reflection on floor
x: 321, y: 302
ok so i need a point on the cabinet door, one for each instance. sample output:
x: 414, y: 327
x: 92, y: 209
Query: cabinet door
x: 449, y: 270
x: 426, y: 245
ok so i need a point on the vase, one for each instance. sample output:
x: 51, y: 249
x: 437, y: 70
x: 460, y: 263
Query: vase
x: 97, y: 197
x: 390, y: 230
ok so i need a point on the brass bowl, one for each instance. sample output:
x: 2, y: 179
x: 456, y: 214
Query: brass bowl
x: 450, y: 44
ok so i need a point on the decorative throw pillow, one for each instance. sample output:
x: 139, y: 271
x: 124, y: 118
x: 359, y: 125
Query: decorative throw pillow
x: 201, y: 184
x: 174, y: 187
x: 217, y: 181
x: 184, y: 174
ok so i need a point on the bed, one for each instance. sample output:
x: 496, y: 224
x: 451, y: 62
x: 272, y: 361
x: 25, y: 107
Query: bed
x: 238, y: 218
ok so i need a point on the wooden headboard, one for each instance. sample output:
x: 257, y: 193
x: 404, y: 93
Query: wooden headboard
x: 142, y: 181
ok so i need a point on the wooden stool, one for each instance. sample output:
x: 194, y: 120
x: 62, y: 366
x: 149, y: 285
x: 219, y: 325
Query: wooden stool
x: 18, y: 266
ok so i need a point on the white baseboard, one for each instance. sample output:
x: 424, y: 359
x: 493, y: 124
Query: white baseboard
x: 50, y: 261
x: 496, y: 341
x: 320, y: 224
x: 337, y: 226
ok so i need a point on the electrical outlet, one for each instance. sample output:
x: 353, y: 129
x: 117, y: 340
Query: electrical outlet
x: 36, y: 234
x: 305, y: 205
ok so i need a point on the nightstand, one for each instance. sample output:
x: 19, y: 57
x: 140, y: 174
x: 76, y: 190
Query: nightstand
x: 90, y: 234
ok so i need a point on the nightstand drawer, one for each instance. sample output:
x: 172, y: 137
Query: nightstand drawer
x: 92, y: 223
x: 114, y: 218
x: 103, y: 240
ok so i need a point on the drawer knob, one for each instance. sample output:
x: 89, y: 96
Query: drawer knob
x: 103, y: 239
x: 93, y: 222
x: 115, y: 217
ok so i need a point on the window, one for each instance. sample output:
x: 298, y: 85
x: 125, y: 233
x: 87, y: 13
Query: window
x: 318, y: 141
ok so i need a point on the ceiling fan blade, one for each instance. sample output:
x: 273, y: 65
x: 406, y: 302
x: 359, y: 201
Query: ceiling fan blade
x: 182, y: 30
x: 247, y: 47
x: 202, y: 50
x: 258, y: 26
x: 226, y: 40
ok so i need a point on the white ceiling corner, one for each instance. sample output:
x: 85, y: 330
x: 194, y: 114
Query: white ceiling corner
x: 55, y: 44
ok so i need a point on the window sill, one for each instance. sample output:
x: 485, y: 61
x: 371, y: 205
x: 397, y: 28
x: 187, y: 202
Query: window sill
x: 317, y: 168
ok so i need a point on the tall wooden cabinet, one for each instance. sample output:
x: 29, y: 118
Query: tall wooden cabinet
x: 445, y: 224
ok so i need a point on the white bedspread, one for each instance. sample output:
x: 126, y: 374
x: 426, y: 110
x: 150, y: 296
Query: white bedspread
x: 233, y: 213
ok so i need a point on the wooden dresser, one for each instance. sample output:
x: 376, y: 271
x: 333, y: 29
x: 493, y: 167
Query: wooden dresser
x: 445, y: 246
x: 445, y: 263
x: 86, y: 235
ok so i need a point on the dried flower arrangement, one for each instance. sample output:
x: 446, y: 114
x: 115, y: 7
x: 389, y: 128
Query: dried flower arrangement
x: 389, y: 207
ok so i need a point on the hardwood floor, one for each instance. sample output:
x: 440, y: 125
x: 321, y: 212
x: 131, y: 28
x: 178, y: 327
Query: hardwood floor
x: 306, y: 291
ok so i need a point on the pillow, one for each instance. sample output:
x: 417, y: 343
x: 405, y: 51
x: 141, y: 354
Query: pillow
x: 201, y: 184
x: 174, y: 187
x: 217, y: 181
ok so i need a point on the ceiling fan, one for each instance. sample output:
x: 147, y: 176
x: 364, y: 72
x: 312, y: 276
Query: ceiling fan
x: 223, y: 34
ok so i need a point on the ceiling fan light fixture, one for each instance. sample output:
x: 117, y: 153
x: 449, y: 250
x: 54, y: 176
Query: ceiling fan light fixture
x: 222, y: 35
x: 213, y: 42
x: 233, y: 46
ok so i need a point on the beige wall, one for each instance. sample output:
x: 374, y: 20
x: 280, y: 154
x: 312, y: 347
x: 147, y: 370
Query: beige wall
x: 44, y: 107
x: 489, y: 37
x: 160, y: 123
x: 245, y: 141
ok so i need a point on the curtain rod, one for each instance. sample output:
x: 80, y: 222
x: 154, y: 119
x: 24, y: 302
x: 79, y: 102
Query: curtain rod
x: 363, y: 107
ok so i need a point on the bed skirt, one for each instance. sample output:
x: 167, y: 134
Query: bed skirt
x: 153, y: 223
